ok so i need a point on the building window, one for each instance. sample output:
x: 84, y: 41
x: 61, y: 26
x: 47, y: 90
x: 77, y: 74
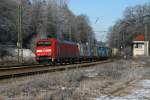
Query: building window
x: 138, y: 45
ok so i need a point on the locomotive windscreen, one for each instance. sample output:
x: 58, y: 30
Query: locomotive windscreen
x: 44, y: 43
x: 51, y: 35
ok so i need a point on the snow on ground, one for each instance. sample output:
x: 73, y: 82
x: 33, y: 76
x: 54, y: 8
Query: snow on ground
x: 91, y: 73
x: 12, y: 56
x: 142, y: 93
x: 28, y: 55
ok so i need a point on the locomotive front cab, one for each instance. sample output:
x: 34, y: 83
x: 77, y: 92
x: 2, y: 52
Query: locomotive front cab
x: 45, y: 50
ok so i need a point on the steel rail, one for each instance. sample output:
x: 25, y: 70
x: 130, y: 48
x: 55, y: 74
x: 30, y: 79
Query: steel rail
x: 26, y: 70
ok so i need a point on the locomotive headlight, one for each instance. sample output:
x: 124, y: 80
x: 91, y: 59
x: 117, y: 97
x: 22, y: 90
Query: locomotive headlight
x: 48, y: 50
x: 38, y: 51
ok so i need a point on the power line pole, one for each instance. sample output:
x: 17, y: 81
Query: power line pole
x: 146, y: 31
x: 21, y: 34
x: 70, y: 33
x: 19, y: 42
x: 146, y: 22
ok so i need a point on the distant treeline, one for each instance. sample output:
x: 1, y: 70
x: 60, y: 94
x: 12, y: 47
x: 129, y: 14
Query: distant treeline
x: 133, y: 23
x: 42, y: 16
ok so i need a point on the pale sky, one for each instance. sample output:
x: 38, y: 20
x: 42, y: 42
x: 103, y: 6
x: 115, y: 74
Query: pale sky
x: 108, y: 11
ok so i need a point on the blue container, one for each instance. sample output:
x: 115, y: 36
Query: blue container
x: 104, y: 52
x: 85, y: 51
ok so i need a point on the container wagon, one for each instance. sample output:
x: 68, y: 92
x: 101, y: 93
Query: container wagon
x: 104, y: 52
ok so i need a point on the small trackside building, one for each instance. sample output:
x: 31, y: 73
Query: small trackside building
x: 140, y: 46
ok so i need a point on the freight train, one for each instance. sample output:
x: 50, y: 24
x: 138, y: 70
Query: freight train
x: 53, y: 50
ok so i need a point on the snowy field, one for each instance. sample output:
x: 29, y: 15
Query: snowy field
x: 142, y: 93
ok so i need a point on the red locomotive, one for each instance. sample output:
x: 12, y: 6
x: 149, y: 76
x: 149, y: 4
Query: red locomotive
x: 53, y: 50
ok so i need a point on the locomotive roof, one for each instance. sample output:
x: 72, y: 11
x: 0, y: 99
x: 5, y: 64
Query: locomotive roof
x: 68, y: 42
x: 61, y: 41
x: 44, y: 39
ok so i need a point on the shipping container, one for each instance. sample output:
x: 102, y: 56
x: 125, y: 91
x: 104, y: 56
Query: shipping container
x: 104, y: 52
x: 85, y: 51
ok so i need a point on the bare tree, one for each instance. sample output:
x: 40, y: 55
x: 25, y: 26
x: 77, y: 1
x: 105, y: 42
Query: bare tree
x: 40, y: 17
x: 132, y: 24
x: 7, y: 21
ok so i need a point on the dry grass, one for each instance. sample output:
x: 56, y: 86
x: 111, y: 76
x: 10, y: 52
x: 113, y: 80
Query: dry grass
x: 79, y: 84
x: 59, y: 86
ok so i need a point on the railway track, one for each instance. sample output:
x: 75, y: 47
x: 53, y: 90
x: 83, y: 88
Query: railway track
x: 14, y: 71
